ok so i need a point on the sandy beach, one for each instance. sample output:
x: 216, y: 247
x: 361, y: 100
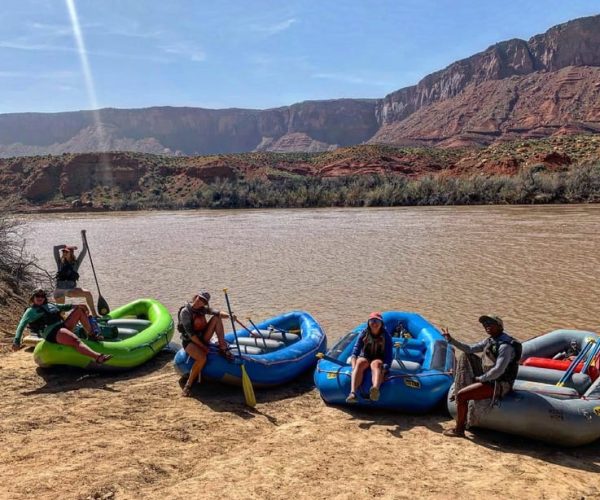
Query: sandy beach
x: 71, y: 434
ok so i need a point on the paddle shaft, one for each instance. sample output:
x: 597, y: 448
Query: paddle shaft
x: 574, y: 364
x: 258, y: 332
x: 593, y: 353
x: 237, y: 342
x: 103, y: 307
x: 91, y: 262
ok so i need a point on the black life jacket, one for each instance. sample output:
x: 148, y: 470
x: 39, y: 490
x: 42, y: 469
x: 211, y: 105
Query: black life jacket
x: 193, y: 313
x: 374, y: 345
x: 50, y: 315
x: 67, y: 272
x: 510, y: 374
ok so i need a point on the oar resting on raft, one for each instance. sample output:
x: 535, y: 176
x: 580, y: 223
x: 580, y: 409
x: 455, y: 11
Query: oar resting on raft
x: 246, y: 382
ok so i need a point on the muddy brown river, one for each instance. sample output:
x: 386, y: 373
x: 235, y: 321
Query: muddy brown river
x: 537, y: 267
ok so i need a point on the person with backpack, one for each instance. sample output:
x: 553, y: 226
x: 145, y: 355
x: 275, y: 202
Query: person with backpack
x: 196, y: 332
x: 373, y: 349
x: 45, y: 318
x: 67, y: 275
x: 490, y: 377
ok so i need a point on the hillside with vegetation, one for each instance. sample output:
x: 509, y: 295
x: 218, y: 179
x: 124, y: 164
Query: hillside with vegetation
x: 562, y: 169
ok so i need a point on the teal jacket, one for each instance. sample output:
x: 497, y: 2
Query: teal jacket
x: 46, y: 316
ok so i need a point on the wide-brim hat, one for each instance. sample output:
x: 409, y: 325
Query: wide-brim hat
x: 37, y: 291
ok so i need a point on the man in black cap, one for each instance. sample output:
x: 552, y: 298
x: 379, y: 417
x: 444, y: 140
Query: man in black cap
x: 491, y: 376
x: 196, y: 333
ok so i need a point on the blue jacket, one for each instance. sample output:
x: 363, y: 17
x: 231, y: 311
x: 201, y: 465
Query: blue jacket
x: 388, y: 346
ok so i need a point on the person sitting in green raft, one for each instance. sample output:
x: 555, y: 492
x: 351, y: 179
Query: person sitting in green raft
x: 196, y: 333
x: 45, y: 317
x: 372, y: 349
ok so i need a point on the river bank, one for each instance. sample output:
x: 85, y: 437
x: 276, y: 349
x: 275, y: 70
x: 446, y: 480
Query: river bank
x: 74, y: 435
x: 562, y: 169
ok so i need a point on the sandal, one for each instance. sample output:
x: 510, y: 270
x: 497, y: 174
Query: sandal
x: 352, y: 398
x: 187, y: 390
x: 374, y: 394
x: 103, y: 358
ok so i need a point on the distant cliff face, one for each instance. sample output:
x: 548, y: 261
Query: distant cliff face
x: 191, y: 130
x: 545, y: 86
x: 576, y: 43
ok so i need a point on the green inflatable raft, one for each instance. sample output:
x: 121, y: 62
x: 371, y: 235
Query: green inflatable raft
x: 134, y: 333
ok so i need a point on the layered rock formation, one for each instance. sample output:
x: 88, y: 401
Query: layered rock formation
x: 547, y: 85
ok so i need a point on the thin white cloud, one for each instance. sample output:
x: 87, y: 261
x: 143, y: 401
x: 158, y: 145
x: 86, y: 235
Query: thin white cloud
x: 187, y: 50
x: 50, y: 75
x: 274, y: 29
x: 353, y: 79
x: 42, y: 47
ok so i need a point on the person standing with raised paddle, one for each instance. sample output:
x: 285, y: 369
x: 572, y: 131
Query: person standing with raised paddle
x: 67, y: 274
x: 103, y: 308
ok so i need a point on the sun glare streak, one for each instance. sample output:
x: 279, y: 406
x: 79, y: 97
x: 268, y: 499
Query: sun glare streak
x: 87, y: 72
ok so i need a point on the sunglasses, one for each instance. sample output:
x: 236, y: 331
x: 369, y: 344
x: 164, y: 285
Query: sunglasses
x: 39, y: 296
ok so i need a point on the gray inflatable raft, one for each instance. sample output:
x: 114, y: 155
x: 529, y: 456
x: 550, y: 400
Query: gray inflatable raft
x: 537, y: 408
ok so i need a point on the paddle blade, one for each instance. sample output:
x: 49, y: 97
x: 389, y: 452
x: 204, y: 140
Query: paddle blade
x: 248, y: 389
x: 103, y: 308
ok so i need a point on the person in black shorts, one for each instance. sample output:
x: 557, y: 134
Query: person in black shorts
x: 44, y: 317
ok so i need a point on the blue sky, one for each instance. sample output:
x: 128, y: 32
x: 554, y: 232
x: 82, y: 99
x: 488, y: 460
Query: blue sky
x: 247, y: 53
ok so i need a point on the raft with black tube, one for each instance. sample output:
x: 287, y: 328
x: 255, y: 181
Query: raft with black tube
x: 276, y: 352
x: 139, y: 330
x: 419, y: 376
x: 540, y: 406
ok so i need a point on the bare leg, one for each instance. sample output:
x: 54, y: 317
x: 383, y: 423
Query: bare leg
x: 377, y: 372
x: 78, y: 315
x: 67, y: 337
x: 87, y: 295
x: 199, y: 361
x: 215, y: 325
x: 358, y: 371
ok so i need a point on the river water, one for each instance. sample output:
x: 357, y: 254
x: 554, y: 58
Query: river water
x: 537, y: 267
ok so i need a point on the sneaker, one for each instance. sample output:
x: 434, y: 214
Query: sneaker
x: 374, y: 394
x: 351, y: 398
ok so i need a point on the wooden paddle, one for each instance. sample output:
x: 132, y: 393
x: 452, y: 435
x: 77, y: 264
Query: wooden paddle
x: 246, y: 382
x: 103, y: 308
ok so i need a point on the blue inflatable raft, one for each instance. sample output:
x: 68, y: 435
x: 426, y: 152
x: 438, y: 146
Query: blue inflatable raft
x: 418, y: 379
x: 281, y: 349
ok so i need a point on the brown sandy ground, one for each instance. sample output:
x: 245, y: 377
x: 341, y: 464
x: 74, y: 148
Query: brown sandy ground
x: 71, y: 434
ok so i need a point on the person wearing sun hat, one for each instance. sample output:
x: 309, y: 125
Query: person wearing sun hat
x: 196, y: 332
x: 373, y: 349
x: 489, y: 377
x: 45, y: 318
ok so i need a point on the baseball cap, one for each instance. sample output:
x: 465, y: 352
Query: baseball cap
x: 491, y: 317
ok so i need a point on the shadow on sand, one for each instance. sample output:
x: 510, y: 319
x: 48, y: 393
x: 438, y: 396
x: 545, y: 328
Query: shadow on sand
x: 396, y: 421
x: 68, y: 378
x: 227, y: 398
x: 584, y: 458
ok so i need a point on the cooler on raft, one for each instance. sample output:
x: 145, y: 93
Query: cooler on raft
x: 538, y: 408
x: 282, y: 349
x: 134, y: 333
x: 419, y: 376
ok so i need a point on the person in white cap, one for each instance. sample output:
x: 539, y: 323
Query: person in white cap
x: 491, y: 376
